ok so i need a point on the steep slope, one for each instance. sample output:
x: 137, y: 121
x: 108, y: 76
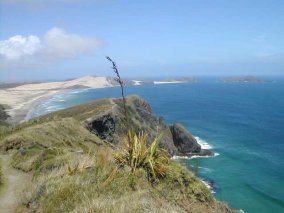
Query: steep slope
x: 105, y: 119
x: 73, y: 166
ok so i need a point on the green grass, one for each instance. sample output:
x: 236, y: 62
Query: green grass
x: 74, y: 171
x: 138, y: 152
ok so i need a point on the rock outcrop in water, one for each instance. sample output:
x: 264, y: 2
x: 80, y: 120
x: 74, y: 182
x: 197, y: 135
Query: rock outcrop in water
x: 109, y: 125
x: 186, y: 143
x: 183, y: 140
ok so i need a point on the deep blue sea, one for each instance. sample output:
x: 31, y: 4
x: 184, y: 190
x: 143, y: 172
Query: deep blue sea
x: 243, y: 122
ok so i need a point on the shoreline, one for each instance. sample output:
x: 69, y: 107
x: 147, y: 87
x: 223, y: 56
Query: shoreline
x: 27, y: 100
x: 26, y: 103
x: 22, y: 103
x: 20, y: 100
x: 29, y: 112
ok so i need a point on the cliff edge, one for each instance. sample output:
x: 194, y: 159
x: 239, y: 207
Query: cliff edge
x: 70, y: 154
x: 108, y: 124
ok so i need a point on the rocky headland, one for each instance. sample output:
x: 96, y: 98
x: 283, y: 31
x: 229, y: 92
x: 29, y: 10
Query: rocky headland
x: 21, y: 97
x: 70, y: 155
x: 109, y: 126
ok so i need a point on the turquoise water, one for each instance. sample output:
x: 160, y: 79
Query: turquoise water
x: 244, y: 122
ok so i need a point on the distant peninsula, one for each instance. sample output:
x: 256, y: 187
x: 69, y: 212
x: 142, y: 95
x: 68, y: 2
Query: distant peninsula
x: 23, y: 96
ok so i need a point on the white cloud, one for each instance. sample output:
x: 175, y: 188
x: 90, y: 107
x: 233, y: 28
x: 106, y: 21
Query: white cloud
x: 55, y: 44
x: 19, y: 46
x: 59, y: 44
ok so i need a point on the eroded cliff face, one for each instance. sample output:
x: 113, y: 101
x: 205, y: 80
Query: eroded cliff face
x: 103, y: 126
x: 110, y: 125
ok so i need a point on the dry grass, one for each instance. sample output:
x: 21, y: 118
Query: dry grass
x: 73, y: 171
x: 84, y: 191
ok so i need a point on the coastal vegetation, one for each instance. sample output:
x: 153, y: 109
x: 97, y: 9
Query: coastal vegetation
x: 72, y: 170
x: 137, y: 153
x: 111, y: 155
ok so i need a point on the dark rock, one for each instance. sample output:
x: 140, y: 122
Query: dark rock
x: 206, y: 152
x: 110, y: 125
x: 183, y: 140
x: 168, y: 144
x: 162, y: 122
x: 103, y: 126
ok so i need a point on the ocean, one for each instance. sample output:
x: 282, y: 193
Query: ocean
x: 242, y: 122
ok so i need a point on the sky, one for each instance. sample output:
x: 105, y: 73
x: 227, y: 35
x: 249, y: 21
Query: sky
x: 63, y: 39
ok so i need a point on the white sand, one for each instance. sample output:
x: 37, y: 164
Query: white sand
x: 87, y: 81
x: 23, y: 98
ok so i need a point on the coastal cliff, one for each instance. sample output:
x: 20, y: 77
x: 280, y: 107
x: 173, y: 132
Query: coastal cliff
x: 109, y: 125
x: 70, y: 154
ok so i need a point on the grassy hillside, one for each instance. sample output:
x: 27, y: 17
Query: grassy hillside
x: 75, y: 171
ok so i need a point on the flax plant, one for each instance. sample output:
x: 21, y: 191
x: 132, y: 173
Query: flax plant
x: 119, y: 80
x: 137, y: 153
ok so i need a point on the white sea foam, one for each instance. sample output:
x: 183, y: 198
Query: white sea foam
x: 205, y: 170
x: 203, y: 143
x: 176, y: 157
x: 207, y: 184
x: 79, y: 90
x: 51, y: 107
x: 169, y: 82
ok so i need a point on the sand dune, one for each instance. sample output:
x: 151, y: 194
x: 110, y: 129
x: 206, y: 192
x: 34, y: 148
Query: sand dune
x: 22, y: 99
x: 87, y: 81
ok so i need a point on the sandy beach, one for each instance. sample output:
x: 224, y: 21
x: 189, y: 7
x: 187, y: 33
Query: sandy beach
x: 21, y: 102
x: 22, y: 99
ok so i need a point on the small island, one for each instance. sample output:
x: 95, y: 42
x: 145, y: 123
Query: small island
x: 241, y: 79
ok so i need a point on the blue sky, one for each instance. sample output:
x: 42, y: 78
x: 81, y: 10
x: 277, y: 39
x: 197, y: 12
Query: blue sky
x: 59, y: 39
